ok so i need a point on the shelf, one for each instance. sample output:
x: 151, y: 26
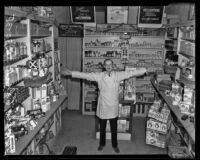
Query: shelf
x: 189, y: 127
x: 12, y: 36
x: 188, y: 39
x: 190, y: 84
x: 103, y: 47
x: 7, y: 107
x: 15, y: 83
x: 140, y: 91
x: 25, y: 140
x: 145, y: 48
x: 42, y: 52
x: 173, y: 38
x: 124, y: 118
x: 122, y: 101
x: 17, y: 13
x: 40, y: 35
x: 143, y: 102
x: 186, y: 55
x: 101, y: 57
x: 15, y: 61
x: 144, y: 59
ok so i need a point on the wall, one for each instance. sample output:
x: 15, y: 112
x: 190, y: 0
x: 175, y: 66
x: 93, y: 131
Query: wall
x: 62, y: 16
x: 180, y: 9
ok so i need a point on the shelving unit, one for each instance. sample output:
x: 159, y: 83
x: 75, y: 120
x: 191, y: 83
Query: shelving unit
x: 188, y: 135
x: 27, y: 144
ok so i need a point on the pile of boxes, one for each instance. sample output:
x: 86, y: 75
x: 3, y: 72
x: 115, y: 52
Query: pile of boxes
x: 158, y: 124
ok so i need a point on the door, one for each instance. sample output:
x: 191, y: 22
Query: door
x: 71, y: 55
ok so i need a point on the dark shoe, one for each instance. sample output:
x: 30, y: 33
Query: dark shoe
x: 100, y: 148
x: 116, y: 149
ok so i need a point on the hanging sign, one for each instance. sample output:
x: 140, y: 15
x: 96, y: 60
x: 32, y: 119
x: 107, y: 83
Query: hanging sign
x: 150, y: 16
x: 70, y: 30
x: 82, y: 14
x: 117, y: 14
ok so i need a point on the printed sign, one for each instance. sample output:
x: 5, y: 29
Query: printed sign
x: 70, y: 30
x: 150, y: 16
x: 117, y: 14
x: 83, y: 14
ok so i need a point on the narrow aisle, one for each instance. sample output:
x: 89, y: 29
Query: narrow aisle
x: 78, y: 130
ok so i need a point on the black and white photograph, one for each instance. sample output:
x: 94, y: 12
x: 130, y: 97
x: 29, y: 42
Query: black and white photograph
x: 124, y: 87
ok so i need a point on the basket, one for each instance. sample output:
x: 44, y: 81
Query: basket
x: 37, y: 81
x: 170, y: 69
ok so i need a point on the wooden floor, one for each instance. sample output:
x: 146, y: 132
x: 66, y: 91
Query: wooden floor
x: 78, y: 130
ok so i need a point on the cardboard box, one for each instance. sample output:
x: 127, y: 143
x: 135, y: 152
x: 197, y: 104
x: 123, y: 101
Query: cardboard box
x: 162, y: 117
x: 156, y: 139
x: 157, y: 126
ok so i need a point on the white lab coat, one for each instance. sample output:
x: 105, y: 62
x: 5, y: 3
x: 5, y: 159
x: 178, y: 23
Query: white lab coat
x: 108, y: 100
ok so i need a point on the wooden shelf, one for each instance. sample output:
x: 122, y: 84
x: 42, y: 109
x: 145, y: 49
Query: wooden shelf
x: 143, y: 102
x: 24, y: 141
x: 188, y: 83
x: 13, y: 36
x: 15, y: 61
x: 40, y: 35
x: 172, y: 38
x: 15, y: 83
x: 7, y: 107
x: 17, y: 13
x: 189, y: 127
x: 188, y: 39
x: 101, y: 57
x: 102, y: 47
x: 146, y: 48
x: 145, y: 59
x: 186, y: 55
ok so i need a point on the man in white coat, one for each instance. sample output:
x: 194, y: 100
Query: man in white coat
x: 108, y: 100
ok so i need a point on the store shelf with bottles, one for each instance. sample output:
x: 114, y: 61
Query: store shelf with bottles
x: 40, y: 60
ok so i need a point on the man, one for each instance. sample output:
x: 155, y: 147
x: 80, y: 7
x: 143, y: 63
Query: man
x: 108, y: 100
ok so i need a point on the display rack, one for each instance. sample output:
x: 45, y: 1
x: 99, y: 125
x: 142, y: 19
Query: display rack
x: 21, y: 31
x: 144, y: 51
x: 187, y: 129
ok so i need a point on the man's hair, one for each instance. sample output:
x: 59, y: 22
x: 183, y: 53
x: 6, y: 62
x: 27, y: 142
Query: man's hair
x: 104, y: 62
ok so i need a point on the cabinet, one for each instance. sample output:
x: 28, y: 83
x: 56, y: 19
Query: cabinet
x: 29, y: 52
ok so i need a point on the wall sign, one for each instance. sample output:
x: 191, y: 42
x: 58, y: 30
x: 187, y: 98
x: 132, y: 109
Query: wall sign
x: 117, y: 14
x: 83, y: 14
x: 150, y: 16
x: 70, y: 30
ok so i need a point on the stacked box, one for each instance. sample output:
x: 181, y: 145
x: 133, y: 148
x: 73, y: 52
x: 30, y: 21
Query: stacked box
x: 158, y: 125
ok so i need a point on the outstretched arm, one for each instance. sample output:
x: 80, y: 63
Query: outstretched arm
x: 128, y: 74
x: 81, y: 75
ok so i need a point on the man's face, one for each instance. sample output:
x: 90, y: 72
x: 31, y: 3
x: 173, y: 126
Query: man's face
x: 108, y: 66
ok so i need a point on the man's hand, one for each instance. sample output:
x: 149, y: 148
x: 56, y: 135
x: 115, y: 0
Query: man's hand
x: 66, y: 72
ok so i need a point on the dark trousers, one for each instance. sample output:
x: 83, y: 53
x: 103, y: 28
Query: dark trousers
x: 113, y: 128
